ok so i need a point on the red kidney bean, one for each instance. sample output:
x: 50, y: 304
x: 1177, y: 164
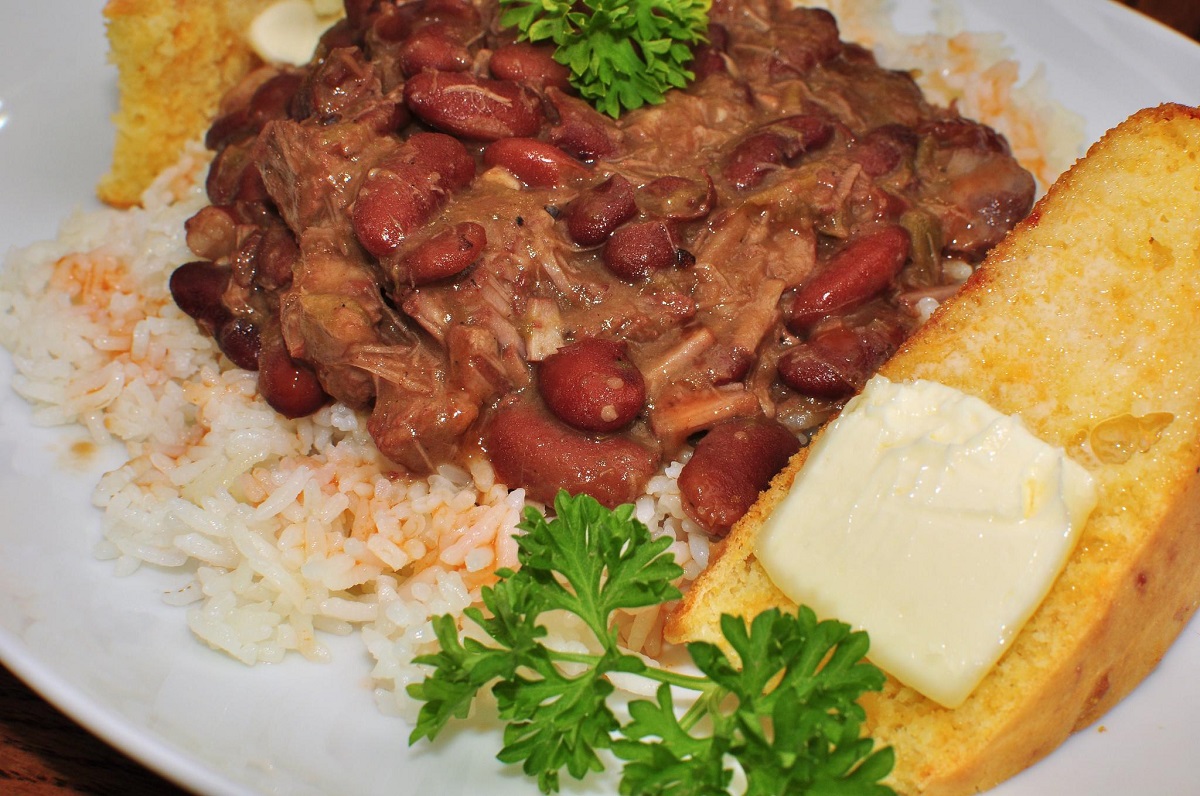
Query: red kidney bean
x: 708, y: 58
x: 277, y: 255
x: 389, y: 207
x: 836, y: 363
x: 533, y: 162
x: 244, y: 261
x: 594, y: 214
x: 805, y: 132
x: 272, y: 99
x: 416, y: 15
x: 197, y: 288
x: 227, y: 129
x: 233, y: 176
x: 529, y: 448
x: 446, y: 253
x: 852, y: 276
x: 339, y: 84
x: 212, y: 232
x: 725, y: 364
x: 291, y: 387
x: 358, y: 12
x: 475, y: 108
x: 881, y: 150
x: 237, y: 99
x: 387, y: 115
x: 753, y: 158
x: 778, y: 143
x: 442, y: 155
x: 580, y: 129
x: 531, y: 64
x: 399, y: 196
x: 239, y: 340
x: 806, y: 369
x: 592, y: 385
x: 731, y: 465
x: 678, y: 198
x: 386, y: 24
x: 434, y: 46
x: 634, y: 251
x: 387, y: 27
x: 804, y: 38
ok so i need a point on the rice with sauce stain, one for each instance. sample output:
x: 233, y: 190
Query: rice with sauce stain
x: 291, y: 529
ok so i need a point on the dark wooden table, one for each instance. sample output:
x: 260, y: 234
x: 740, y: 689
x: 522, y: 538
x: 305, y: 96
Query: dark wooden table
x: 1183, y: 15
x: 44, y: 753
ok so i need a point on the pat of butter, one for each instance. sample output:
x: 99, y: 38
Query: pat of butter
x: 287, y: 32
x: 933, y: 522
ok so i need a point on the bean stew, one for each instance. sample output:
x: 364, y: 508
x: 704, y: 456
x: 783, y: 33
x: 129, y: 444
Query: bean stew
x: 427, y: 224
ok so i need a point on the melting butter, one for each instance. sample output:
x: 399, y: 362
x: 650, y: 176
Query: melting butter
x: 933, y: 522
x: 287, y: 32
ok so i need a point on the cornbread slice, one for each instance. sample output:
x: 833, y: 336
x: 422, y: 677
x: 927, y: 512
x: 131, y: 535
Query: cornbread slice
x: 1085, y: 322
x: 174, y: 59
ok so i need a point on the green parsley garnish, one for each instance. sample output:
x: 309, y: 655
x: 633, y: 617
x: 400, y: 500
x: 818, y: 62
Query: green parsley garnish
x: 621, y: 55
x: 789, y: 717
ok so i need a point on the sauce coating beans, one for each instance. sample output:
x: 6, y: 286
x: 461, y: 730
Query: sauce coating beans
x: 731, y: 465
x: 400, y: 194
x: 529, y: 447
x: 593, y: 216
x: 430, y: 225
x: 445, y: 254
x: 591, y: 385
x: 635, y: 251
x: 853, y: 275
x: 836, y: 363
x: 678, y: 198
x: 197, y: 288
x: 474, y: 108
x: 239, y: 340
x: 535, y: 163
x: 530, y: 64
x: 290, y: 387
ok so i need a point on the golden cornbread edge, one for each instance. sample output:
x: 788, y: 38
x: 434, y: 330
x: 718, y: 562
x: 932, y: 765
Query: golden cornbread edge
x: 174, y: 62
x: 1086, y: 312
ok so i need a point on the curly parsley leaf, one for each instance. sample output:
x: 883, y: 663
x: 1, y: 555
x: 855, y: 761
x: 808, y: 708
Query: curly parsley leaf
x: 591, y: 561
x: 788, y: 715
x: 621, y: 55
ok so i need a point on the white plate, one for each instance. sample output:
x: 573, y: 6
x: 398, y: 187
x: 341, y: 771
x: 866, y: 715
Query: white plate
x: 113, y: 656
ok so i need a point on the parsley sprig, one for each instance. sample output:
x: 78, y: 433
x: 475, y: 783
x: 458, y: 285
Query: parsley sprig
x: 789, y: 716
x: 622, y: 55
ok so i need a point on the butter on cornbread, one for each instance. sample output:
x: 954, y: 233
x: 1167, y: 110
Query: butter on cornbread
x: 1085, y: 323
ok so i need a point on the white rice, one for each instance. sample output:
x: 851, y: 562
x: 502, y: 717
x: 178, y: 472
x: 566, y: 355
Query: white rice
x: 290, y: 529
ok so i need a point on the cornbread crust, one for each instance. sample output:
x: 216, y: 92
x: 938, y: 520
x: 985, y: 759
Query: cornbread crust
x: 174, y: 59
x: 1085, y: 313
